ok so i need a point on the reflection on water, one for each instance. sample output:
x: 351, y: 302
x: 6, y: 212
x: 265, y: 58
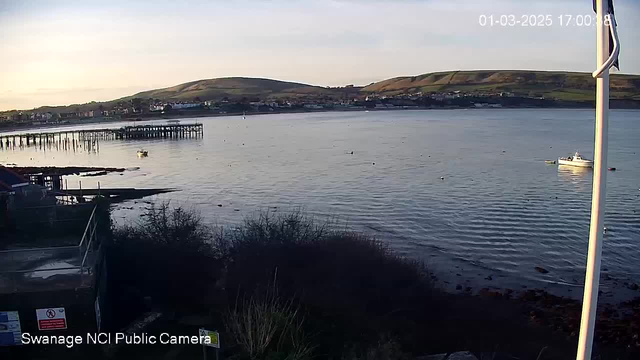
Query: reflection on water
x: 578, y: 176
x: 469, y: 186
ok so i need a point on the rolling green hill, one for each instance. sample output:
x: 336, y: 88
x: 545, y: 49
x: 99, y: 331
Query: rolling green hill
x: 565, y: 86
x: 232, y: 87
x: 570, y: 86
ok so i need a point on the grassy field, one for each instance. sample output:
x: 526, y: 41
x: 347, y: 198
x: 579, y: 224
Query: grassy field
x: 566, y: 86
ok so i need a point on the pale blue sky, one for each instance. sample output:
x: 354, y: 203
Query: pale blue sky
x: 63, y: 52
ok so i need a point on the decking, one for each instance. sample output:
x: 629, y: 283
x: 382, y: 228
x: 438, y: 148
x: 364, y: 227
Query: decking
x: 88, y: 138
x: 62, y: 256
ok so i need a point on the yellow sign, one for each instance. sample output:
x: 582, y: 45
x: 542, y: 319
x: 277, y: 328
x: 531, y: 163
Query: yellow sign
x: 210, y: 338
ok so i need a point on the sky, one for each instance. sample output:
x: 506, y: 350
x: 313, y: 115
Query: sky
x: 59, y: 52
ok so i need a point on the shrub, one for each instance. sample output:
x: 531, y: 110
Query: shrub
x: 168, y: 256
x: 338, y: 294
x: 267, y: 326
x: 350, y: 286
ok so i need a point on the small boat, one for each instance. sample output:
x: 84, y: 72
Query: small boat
x: 550, y: 162
x: 612, y: 169
x: 143, y: 153
x: 576, y: 160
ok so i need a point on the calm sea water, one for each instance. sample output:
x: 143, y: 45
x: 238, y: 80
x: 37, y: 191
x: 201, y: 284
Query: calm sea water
x: 499, y: 208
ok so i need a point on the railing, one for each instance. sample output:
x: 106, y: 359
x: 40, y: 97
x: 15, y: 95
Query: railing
x: 88, y: 241
x: 48, y: 268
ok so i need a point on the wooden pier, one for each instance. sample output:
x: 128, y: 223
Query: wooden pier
x: 88, y: 139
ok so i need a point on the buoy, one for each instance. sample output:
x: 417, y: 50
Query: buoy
x: 441, y: 177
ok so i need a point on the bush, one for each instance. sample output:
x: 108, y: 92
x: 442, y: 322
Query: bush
x: 350, y: 286
x: 267, y: 326
x: 168, y: 257
x: 296, y: 289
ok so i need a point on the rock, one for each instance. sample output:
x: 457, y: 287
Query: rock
x: 541, y: 270
x: 459, y: 287
x: 509, y: 291
x: 489, y: 278
x: 489, y: 293
x: 463, y: 355
x: 633, y: 286
x: 219, y: 205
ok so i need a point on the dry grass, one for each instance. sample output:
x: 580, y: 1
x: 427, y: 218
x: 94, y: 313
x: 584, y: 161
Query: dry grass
x: 265, y: 325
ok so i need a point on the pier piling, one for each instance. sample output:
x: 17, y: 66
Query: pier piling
x: 90, y: 138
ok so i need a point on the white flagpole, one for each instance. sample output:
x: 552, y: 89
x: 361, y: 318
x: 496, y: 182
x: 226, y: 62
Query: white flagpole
x: 592, y: 278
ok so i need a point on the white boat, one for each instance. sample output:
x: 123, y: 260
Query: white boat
x: 143, y: 153
x: 576, y: 160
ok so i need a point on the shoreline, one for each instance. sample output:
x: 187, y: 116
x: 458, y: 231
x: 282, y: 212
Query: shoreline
x: 153, y: 117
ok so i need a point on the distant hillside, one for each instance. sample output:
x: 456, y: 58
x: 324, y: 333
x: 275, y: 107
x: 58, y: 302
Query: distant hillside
x: 570, y: 86
x: 233, y: 87
x: 565, y: 86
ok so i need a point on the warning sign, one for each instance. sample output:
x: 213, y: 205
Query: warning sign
x: 214, y: 338
x: 51, y: 319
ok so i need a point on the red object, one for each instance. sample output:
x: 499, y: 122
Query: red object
x: 52, y: 324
